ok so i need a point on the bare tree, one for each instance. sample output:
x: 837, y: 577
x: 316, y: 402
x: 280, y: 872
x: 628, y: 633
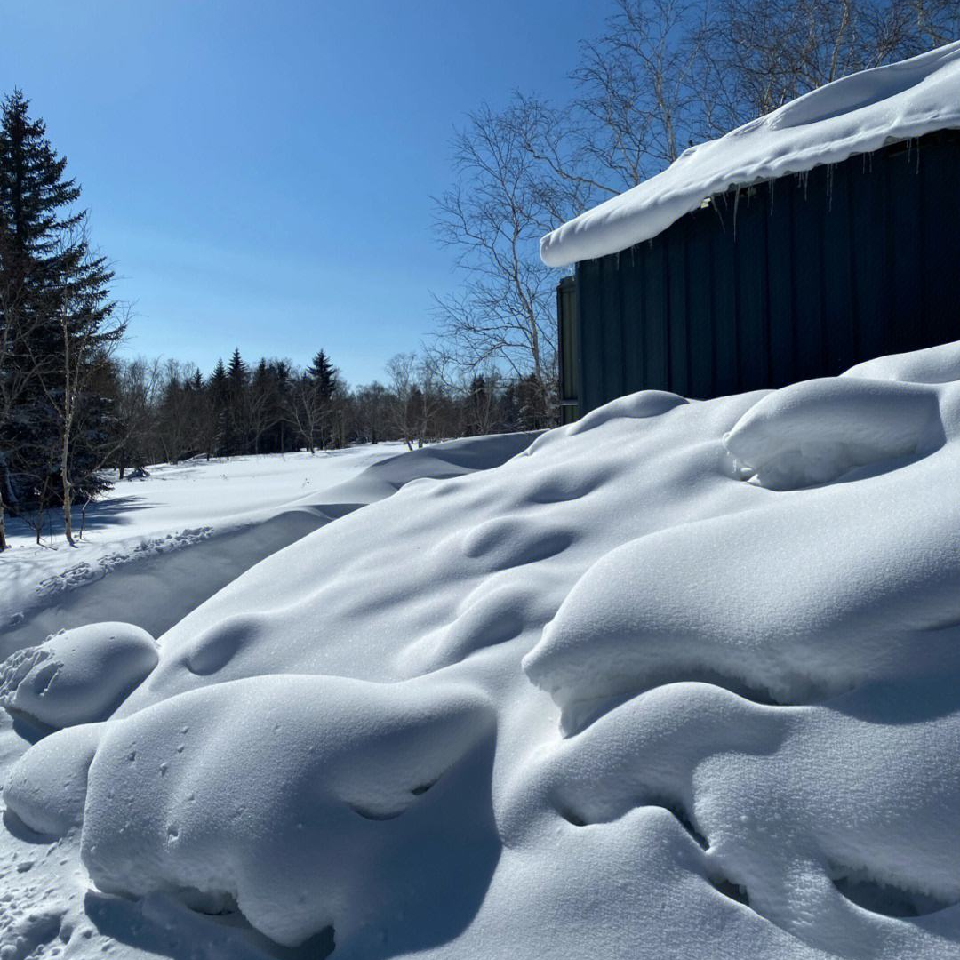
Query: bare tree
x: 640, y: 102
x: 305, y: 410
x: 403, y: 385
x: 64, y: 378
x: 506, y: 196
x: 760, y: 54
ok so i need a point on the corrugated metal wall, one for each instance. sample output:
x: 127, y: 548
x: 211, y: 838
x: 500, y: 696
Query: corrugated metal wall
x: 797, y: 278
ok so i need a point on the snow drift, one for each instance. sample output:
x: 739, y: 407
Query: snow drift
x: 679, y: 680
x: 79, y: 675
x: 854, y: 115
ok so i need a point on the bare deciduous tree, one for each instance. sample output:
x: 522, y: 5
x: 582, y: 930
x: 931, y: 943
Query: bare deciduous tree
x: 505, y: 198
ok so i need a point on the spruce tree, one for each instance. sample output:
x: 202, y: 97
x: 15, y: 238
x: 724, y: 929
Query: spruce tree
x: 235, y: 441
x: 219, y: 393
x: 55, y: 321
x: 324, y: 375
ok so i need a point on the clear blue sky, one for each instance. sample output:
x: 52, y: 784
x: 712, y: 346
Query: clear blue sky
x: 261, y: 172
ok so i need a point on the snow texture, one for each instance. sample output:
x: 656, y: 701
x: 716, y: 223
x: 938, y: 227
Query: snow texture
x: 77, y: 676
x: 857, y: 114
x: 679, y: 680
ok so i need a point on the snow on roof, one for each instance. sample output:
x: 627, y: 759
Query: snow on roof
x: 856, y: 114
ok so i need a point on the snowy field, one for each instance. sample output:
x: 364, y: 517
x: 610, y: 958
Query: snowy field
x: 240, y: 509
x: 681, y: 680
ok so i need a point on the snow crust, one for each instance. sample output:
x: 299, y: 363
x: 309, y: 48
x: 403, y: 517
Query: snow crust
x: 679, y: 680
x: 854, y: 115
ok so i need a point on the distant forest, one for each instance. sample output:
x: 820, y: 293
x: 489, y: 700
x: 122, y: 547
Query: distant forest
x: 166, y: 411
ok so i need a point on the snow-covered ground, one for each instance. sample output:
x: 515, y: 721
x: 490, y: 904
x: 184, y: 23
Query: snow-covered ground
x: 679, y: 680
x: 231, y: 513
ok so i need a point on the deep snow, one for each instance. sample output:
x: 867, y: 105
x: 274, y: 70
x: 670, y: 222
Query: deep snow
x: 854, y: 115
x: 679, y: 680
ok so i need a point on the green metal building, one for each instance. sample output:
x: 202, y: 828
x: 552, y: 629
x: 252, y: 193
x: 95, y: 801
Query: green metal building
x: 785, y: 280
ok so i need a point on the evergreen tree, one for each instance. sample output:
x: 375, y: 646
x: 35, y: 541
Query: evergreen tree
x: 324, y: 375
x: 236, y: 437
x: 237, y: 372
x: 55, y: 321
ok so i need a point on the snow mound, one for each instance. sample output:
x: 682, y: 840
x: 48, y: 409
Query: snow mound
x: 606, y: 699
x: 77, y: 676
x: 47, y: 787
x: 932, y: 365
x: 817, y: 431
x: 371, y: 800
x: 853, y: 115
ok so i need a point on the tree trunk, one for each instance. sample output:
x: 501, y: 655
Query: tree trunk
x: 3, y: 522
x: 67, y: 492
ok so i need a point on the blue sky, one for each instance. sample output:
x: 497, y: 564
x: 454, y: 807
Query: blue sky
x: 261, y: 172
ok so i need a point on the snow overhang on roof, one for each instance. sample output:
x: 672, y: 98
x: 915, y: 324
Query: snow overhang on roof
x: 856, y: 114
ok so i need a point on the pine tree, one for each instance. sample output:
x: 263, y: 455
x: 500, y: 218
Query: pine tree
x: 56, y: 322
x: 324, y: 375
x: 235, y: 440
x: 218, y: 390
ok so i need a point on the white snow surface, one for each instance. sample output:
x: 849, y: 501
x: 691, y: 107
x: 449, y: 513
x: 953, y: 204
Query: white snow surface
x: 679, y: 680
x: 854, y: 115
x: 77, y: 676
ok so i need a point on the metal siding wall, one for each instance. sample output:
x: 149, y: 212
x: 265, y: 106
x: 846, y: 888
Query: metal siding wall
x: 780, y: 256
x: 656, y: 368
x: 940, y: 170
x: 726, y: 345
x: 612, y: 326
x: 809, y: 208
x: 631, y: 317
x: 904, y: 251
x: 699, y: 282
x: 869, y: 251
x: 677, y: 312
x: 753, y: 315
x: 803, y: 278
x: 592, y: 320
x: 839, y: 326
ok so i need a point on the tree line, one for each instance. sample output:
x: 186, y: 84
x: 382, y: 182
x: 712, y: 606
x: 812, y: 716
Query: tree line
x: 168, y: 411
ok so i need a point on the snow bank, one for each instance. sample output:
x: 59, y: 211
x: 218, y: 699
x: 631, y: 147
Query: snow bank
x: 607, y: 699
x: 47, y: 788
x: 818, y: 430
x: 77, y: 676
x: 309, y: 802
x: 853, y: 115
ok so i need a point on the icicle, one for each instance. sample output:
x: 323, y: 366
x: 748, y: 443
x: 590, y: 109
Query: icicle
x: 736, y: 204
